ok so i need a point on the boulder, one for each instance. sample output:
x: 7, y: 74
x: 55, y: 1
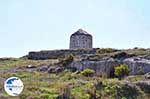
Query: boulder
x: 51, y: 69
x: 58, y: 69
x: 147, y: 75
x: 55, y: 69
x: 102, y: 67
x: 43, y: 68
x: 30, y: 66
x: 137, y: 65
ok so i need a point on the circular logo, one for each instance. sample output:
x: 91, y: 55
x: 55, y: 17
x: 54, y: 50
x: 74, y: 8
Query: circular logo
x: 13, y: 86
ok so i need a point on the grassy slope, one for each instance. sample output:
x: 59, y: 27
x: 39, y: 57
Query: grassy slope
x: 41, y: 85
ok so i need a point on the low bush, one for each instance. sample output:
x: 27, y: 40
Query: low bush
x: 121, y: 71
x: 66, y: 60
x: 104, y: 50
x: 88, y: 72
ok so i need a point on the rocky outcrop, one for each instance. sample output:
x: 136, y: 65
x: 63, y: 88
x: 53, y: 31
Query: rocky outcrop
x: 54, y: 54
x: 103, y: 67
x: 138, y: 65
x: 102, y: 64
x: 147, y: 75
x: 106, y: 66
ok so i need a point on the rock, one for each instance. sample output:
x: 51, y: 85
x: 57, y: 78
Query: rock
x: 30, y: 66
x: 77, y: 72
x: 51, y: 69
x: 55, y: 54
x: 102, y: 67
x: 122, y: 55
x: 43, y: 68
x: 137, y: 65
x: 144, y: 85
x: 105, y: 66
x: 147, y: 75
x: 101, y: 64
x: 58, y: 69
x: 55, y: 69
x: 146, y: 57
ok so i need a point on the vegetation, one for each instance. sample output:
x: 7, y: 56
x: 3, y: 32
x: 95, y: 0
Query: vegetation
x: 66, y: 60
x: 104, y: 50
x: 88, y: 72
x: 121, y: 71
x: 72, y: 85
x: 69, y: 85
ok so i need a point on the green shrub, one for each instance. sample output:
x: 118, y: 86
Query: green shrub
x: 66, y: 60
x: 79, y: 93
x: 88, y: 72
x: 121, y: 70
x: 104, y: 50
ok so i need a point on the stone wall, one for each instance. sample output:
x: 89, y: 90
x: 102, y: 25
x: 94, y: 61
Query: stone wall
x: 54, y: 54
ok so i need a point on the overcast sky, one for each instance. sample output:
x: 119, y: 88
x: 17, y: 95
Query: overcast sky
x: 32, y: 25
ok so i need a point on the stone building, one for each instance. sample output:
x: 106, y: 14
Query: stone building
x: 81, y: 40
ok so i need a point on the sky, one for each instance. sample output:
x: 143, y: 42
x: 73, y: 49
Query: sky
x: 34, y: 25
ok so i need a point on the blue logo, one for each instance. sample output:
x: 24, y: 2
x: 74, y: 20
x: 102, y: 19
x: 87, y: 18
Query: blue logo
x: 13, y: 86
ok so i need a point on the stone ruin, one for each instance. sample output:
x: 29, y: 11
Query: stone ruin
x: 80, y: 40
x: 81, y: 45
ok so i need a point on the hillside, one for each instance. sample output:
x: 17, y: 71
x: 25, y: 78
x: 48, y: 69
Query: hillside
x: 63, y: 77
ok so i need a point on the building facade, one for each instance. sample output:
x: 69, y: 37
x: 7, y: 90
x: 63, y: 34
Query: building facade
x: 81, y: 40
